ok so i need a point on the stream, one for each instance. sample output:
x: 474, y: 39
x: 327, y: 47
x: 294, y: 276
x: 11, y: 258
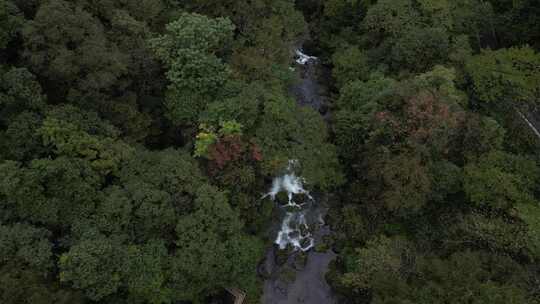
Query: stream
x: 296, y: 265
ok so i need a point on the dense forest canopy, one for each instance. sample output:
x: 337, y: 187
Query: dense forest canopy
x: 137, y: 136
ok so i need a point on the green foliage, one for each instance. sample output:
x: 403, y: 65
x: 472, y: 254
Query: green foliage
x: 267, y: 29
x: 358, y: 103
x: 404, y: 181
x: 144, y: 272
x: 26, y: 245
x: 500, y: 180
x: 154, y: 189
x: 242, y: 107
x: 212, y: 250
x: 349, y: 64
x: 19, y: 91
x: 101, y: 200
x: 505, y: 77
x: 69, y: 45
x: 19, y: 285
x: 530, y: 214
x: 390, y: 18
x: 474, y: 18
x: 11, y: 21
x: 388, y: 269
x: 204, y: 140
x: 420, y: 49
x: 195, y: 72
x: 56, y: 192
x: 288, y: 131
x: 230, y: 127
x: 490, y: 232
x: 482, y: 135
x: 21, y: 140
x: 94, y: 265
x: 104, y: 154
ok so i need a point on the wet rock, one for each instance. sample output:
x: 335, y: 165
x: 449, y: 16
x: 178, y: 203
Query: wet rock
x: 294, y: 234
x: 321, y: 247
x: 323, y: 109
x: 264, y: 271
x: 300, y: 261
x: 287, y: 275
x: 306, y: 243
x: 282, y: 198
x: 282, y: 255
x: 281, y: 287
x: 304, y: 230
x: 292, y: 209
x: 300, y: 198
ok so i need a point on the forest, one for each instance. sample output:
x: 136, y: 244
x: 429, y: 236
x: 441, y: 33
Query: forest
x: 138, y: 137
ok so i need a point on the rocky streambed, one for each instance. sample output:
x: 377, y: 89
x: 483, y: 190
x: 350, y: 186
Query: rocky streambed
x: 295, y: 266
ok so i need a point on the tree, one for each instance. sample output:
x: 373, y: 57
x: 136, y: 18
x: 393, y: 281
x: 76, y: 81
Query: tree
x: 155, y: 188
x: 26, y: 246
x: 481, y: 135
x: 21, y: 140
x: 212, y: 251
x: 420, y: 49
x: 20, y: 285
x: 195, y: 73
x: 506, y: 77
x: 530, y: 214
x: 402, y: 184
x: 56, y: 192
x: 476, y: 19
x: 349, y: 64
x: 388, y: 270
x: 68, y: 45
x: 381, y: 263
x: 19, y: 92
x: 66, y: 139
x: 290, y: 132
x: 390, y: 19
x: 93, y: 265
x: 10, y: 24
x: 144, y: 272
x: 500, y: 180
x: 358, y: 103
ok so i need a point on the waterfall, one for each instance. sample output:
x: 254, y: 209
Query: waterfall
x: 302, y: 58
x: 295, y: 230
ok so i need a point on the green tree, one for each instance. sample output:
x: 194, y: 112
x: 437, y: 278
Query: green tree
x: 196, y: 74
x: 11, y: 22
x: 349, y: 64
x: 144, y: 272
x: 506, y: 77
x: 26, y: 246
x: 390, y: 19
x: 530, y: 214
x: 68, y: 45
x: 212, y: 251
x: 56, y: 192
x: 500, y: 180
x: 290, y: 132
x: 19, y: 91
x: 94, y: 265
x: 420, y: 49
x: 19, y: 285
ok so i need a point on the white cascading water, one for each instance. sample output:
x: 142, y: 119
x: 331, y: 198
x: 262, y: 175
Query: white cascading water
x: 302, y: 58
x: 294, y: 229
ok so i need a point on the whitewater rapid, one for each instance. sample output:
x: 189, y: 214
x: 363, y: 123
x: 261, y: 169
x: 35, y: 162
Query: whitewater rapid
x: 302, y: 58
x: 295, y: 230
x: 302, y: 222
